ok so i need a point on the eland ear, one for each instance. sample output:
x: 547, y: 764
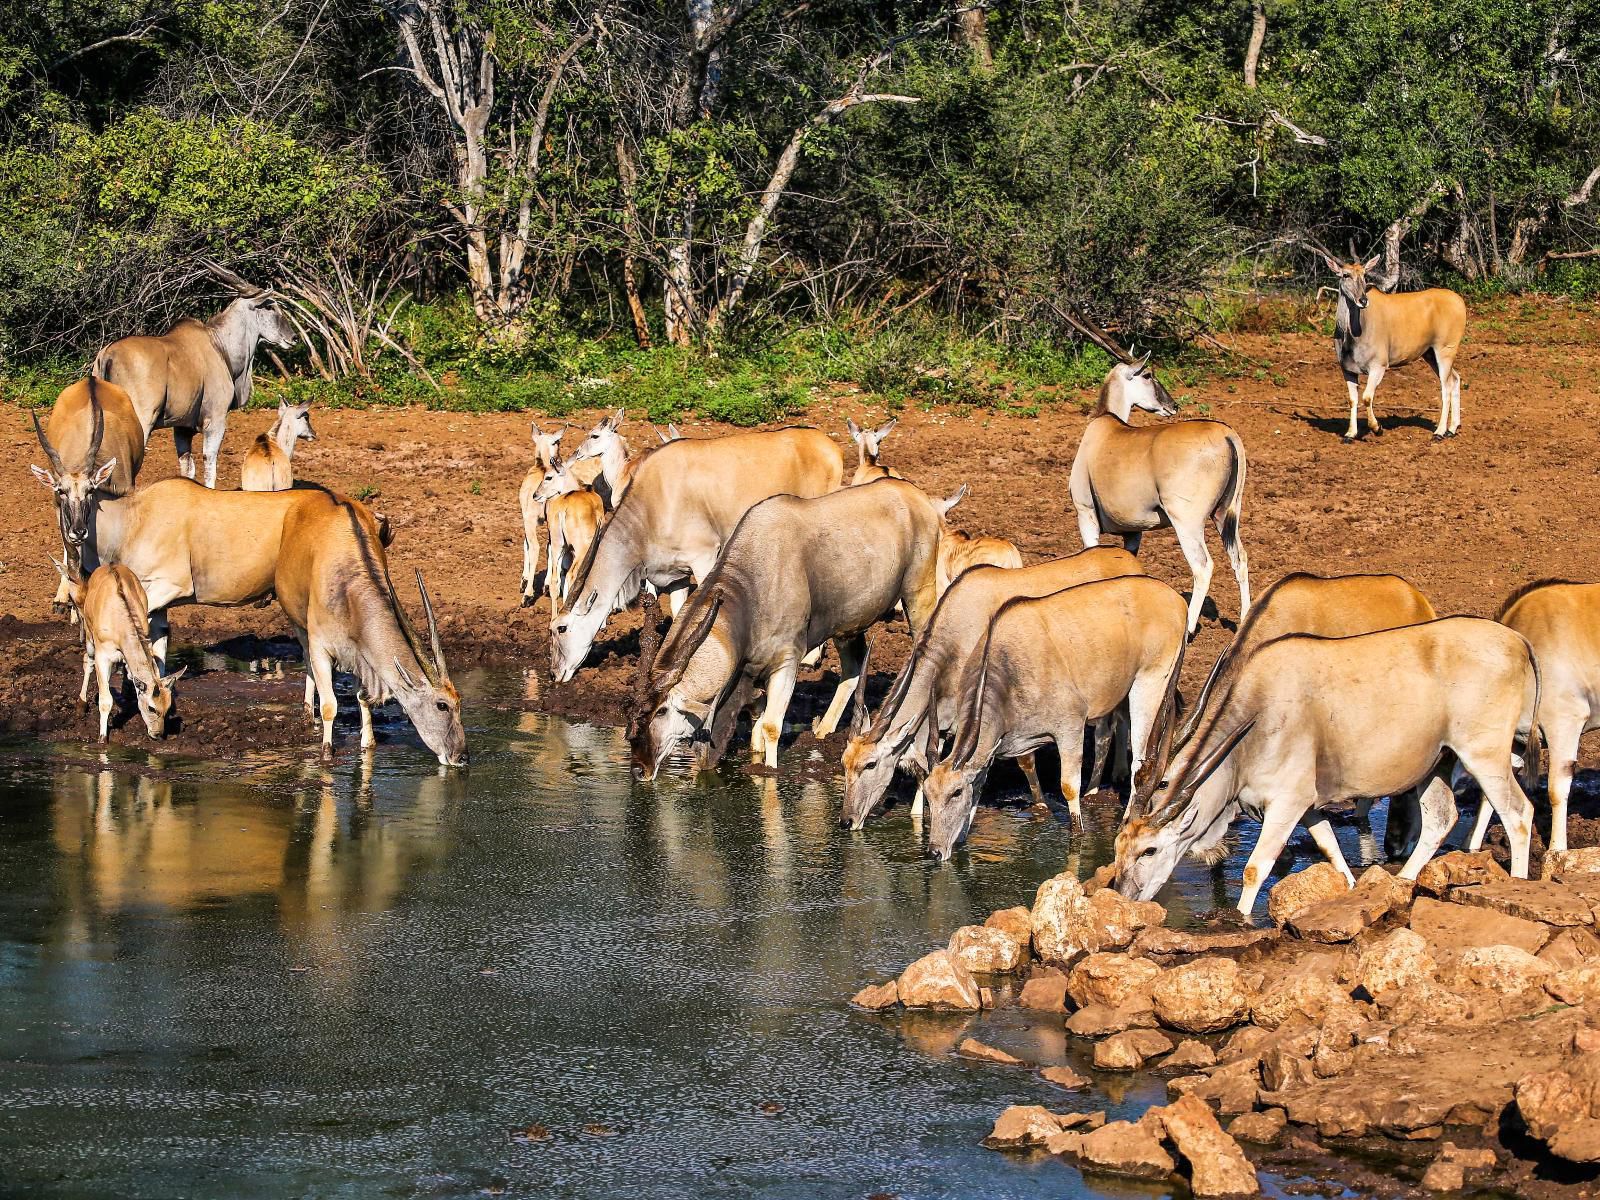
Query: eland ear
x: 616, y: 421
x: 43, y: 476
x: 1372, y: 263
x: 175, y: 675
x: 103, y: 472
x: 855, y: 430
x: 944, y: 506
x: 886, y: 429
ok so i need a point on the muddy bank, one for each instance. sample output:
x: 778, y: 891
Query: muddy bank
x: 1442, y: 1036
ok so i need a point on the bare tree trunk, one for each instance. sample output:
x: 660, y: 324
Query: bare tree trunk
x: 972, y: 32
x: 1258, y: 35
x: 627, y: 178
x: 677, y: 293
x: 1528, y: 228
x: 1396, y: 232
x: 755, y: 233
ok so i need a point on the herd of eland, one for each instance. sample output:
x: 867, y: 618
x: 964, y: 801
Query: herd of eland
x: 767, y: 547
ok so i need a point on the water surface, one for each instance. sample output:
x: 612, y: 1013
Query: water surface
x: 274, y: 978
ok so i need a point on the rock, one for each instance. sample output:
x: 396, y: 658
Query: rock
x: 1586, y: 1041
x: 1287, y: 1064
x: 983, y: 1052
x: 937, y: 980
x: 1067, y: 921
x: 1449, y: 928
x: 985, y: 998
x: 1119, y: 1148
x: 1530, y: 899
x: 1395, y: 960
x: 1307, y: 990
x: 1021, y: 1126
x: 1131, y: 1050
x: 1473, y: 1160
x: 1164, y: 942
x: 1431, y: 1003
x: 1217, y: 1166
x: 1231, y: 1088
x: 1578, y: 1141
x: 1191, y: 1053
x: 1345, y: 916
x: 987, y: 951
x: 1016, y: 923
x: 1338, y: 1036
x: 1570, y: 948
x: 1576, y: 985
x: 1444, y: 1177
x: 1057, y: 919
x: 1101, y: 1020
x: 1202, y: 996
x: 1046, y: 993
x: 1459, y: 869
x: 1103, y: 877
x: 1295, y: 893
x: 1264, y: 1127
x: 1503, y: 969
x: 1558, y: 863
x: 1109, y: 979
x: 877, y: 996
x: 1557, y: 1100
x: 1064, y: 1077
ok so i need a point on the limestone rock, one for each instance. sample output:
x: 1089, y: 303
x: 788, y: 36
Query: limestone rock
x: 1397, y: 959
x: 1444, y: 1176
x: 937, y: 980
x: 1119, y: 1148
x: 1016, y: 923
x: 1022, y: 1126
x: 1202, y: 996
x: 1161, y: 941
x: 1576, y: 985
x: 1109, y: 979
x: 1473, y: 1160
x: 1295, y: 893
x: 1064, y: 1077
x: 1191, y: 1053
x: 1559, y: 863
x: 1459, y: 869
x: 1530, y: 899
x: 1503, y: 969
x: 1344, y: 917
x: 1131, y: 1050
x: 1449, y: 928
x: 983, y: 1052
x: 1307, y: 990
x: 1059, y: 908
x: 1563, y: 1102
x: 1217, y: 1166
x: 1046, y: 993
x: 987, y: 951
x: 1231, y: 1088
x: 877, y: 996
x: 1586, y: 1041
x: 1101, y: 1020
x: 1570, y: 948
x: 1264, y: 1127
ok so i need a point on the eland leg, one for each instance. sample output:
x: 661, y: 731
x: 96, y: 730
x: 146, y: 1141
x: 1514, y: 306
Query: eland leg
x: 321, y: 666
x: 1322, y: 834
x: 1374, y: 378
x: 364, y: 702
x: 765, y: 733
x: 1437, y: 804
x: 1030, y: 768
x: 1515, y: 810
x: 211, y: 446
x: 1069, y: 744
x: 103, y: 665
x: 1192, y: 541
x: 1277, y: 823
x: 852, y: 651
x: 1352, y: 383
x: 183, y: 443
x: 1562, y: 731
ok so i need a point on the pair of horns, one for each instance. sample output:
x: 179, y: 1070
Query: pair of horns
x: 439, y: 667
x: 93, y: 452
x: 859, y: 719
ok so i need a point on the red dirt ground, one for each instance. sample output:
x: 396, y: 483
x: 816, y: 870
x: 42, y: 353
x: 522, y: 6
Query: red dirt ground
x: 1468, y: 519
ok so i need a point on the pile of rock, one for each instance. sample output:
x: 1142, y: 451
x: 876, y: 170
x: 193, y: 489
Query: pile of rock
x: 1468, y: 1001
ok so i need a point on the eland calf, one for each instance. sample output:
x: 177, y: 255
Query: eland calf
x: 1128, y: 480
x: 960, y: 551
x: 269, y: 463
x: 868, y: 442
x: 1310, y: 721
x: 116, y: 621
x: 573, y: 515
